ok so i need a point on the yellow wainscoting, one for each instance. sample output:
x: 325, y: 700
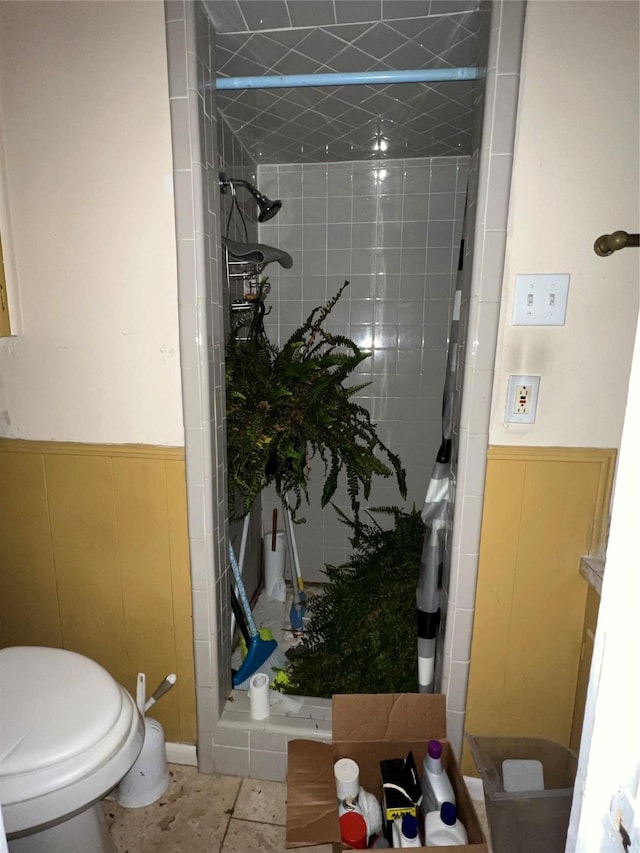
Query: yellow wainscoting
x: 94, y: 558
x: 544, y: 508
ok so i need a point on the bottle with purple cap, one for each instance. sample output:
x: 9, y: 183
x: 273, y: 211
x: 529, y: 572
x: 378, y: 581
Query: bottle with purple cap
x: 436, y: 785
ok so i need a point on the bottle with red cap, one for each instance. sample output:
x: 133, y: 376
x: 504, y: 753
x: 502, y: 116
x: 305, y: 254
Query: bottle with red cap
x: 353, y: 825
x: 354, y: 829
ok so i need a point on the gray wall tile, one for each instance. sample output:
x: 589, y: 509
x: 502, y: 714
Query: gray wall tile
x: 230, y: 761
x: 268, y: 765
x: 352, y: 221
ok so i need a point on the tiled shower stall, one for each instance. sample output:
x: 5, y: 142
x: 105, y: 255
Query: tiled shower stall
x: 392, y: 229
x: 224, y: 742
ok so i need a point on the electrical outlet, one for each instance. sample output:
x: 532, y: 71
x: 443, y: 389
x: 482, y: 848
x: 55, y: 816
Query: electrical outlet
x: 522, y: 399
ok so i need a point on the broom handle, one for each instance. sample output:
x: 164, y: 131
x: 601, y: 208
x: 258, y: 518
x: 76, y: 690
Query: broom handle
x: 242, y: 593
x: 243, y: 541
x: 274, y: 529
x: 287, y: 533
x: 243, y: 548
x: 294, y: 546
x: 237, y: 612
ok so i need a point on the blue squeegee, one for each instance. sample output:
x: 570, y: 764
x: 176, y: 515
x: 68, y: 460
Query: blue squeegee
x: 262, y: 655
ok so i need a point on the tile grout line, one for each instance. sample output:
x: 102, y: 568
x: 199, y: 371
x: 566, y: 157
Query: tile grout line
x: 230, y: 814
x: 260, y: 822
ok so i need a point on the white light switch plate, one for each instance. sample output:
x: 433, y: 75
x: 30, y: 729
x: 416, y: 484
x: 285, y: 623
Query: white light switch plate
x: 541, y: 300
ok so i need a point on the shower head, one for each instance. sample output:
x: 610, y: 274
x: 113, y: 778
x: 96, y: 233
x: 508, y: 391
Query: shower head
x: 268, y: 208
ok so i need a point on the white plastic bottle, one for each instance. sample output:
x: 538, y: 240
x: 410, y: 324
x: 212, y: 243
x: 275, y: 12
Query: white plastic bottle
x: 405, y: 832
x: 443, y: 829
x: 436, y: 785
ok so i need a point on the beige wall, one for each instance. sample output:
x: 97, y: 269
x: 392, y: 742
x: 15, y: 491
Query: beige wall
x: 575, y: 177
x: 87, y: 144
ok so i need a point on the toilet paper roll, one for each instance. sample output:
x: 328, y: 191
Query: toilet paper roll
x: 259, y: 696
x: 347, y: 775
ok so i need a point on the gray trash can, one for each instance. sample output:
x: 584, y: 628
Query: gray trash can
x: 526, y: 821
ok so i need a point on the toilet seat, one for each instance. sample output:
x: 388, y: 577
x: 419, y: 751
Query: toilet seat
x: 69, y: 733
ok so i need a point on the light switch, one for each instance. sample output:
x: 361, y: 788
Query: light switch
x: 541, y: 300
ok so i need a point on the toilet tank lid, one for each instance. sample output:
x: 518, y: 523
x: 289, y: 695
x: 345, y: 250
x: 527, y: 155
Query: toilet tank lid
x: 54, y: 705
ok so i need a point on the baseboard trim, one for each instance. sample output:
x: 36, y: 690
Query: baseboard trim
x: 182, y: 753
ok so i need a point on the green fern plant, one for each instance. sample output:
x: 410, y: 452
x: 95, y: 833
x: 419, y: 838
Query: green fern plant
x: 362, y: 631
x: 285, y: 406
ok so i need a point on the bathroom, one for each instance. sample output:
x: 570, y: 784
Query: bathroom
x: 133, y: 279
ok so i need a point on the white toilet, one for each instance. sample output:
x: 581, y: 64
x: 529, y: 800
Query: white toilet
x: 68, y: 734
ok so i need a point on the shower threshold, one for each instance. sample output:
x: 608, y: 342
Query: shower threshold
x: 258, y: 748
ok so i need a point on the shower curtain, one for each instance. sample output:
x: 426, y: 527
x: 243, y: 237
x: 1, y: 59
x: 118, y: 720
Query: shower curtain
x: 437, y: 514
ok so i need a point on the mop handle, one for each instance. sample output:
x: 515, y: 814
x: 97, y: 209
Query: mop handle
x: 287, y: 536
x: 242, y: 593
x: 274, y: 530
x: 243, y: 548
x: 294, y: 548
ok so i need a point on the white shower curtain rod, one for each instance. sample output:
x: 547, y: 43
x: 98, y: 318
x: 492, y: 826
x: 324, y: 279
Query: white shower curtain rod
x: 353, y: 78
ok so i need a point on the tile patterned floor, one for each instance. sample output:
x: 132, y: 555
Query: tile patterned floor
x: 207, y: 814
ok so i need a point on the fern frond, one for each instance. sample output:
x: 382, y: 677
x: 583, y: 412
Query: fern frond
x: 283, y: 404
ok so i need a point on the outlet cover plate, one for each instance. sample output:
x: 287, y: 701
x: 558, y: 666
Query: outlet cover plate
x: 510, y: 414
x: 541, y: 299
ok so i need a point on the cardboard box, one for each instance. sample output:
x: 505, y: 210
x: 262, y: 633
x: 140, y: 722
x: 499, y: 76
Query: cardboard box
x: 369, y: 728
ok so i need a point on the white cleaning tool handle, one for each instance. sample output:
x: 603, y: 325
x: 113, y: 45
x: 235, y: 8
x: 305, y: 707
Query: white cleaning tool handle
x: 243, y: 548
x: 294, y: 546
x: 242, y: 593
x: 161, y: 689
x: 141, y: 692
